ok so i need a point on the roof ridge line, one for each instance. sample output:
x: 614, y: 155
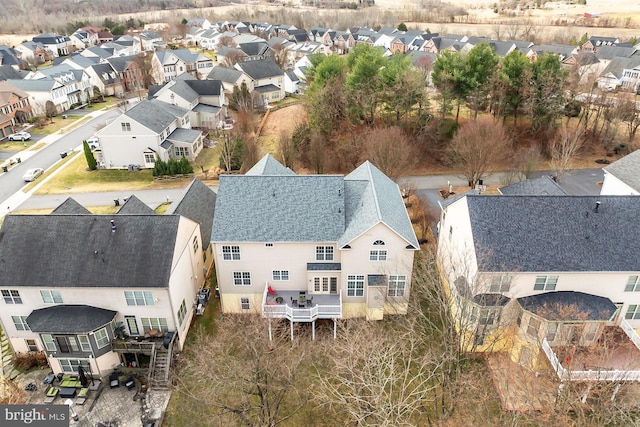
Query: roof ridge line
x: 375, y: 194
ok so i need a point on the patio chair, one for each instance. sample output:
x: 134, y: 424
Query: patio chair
x: 114, y: 380
x: 130, y: 383
x: 52, y: 393
x: 82, y: 396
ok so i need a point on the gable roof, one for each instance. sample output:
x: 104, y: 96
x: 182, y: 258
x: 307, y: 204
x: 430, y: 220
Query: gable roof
x: 618, y: 64
x: 543, y: 186
x: 227, y: 75
x: 260, y: 69
x: 69, y: 319
x: 154, y: 114
x: 268, y: 165
x: 70, y: 206
x: 627, y: 169
x: 198, y: 203
x: 583, y: 238
x: 372, y: 197
x: 7, y: 72
x: 83, y: 251
x: 135, y: 206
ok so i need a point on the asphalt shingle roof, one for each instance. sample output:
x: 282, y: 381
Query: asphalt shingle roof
x: 569, y: 305
x: 627, y: 169
x: 70, y: 206
x: 135, y: 206
x: 82, y: 250
x: 285, y: 208
x: 260, y: 69
x: 555, y: 233
x: 543, y: 186
x: 69, y: 319
x: 155, y: 115
x: 198, y: 203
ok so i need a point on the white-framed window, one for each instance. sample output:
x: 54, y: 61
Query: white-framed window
x: 139, y: 297
x: 231, y: 253
x: 396, y: 285
x: 280, y: 274
x: 71, y: 365
x: 379, y: 243
x: 50, y: 297
x: 182, y: 311
x: 324, y: 253
x: 196, y: 244
x: 242, y: 278
x: 11, y: 296
x: 84, y: 343
x: 102, y: 338
x: 533, y: 326
x: 377, y: 255
x: 325, y: 285
x: 126, y: 127
x: 483, y: 315
x: 157, y: 323
x: 49, y: 343
x: 149, y: 158
x: 244, y: 304
x: 20, y: 322
x: 633, y: 312
x: 181, y: 151
x: 355, y: 286
x: 590, y: 330
x: 545, y: 283
x: 31, y: 345
x: 500, y: 284
x: 552, y: 331
x: 633, y: 284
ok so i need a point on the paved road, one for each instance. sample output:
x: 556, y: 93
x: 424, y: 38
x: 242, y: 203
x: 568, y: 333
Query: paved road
x: 576, y: 182
x: 11, y: 182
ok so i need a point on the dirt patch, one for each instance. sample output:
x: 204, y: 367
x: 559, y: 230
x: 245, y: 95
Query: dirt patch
x: 281, y: 120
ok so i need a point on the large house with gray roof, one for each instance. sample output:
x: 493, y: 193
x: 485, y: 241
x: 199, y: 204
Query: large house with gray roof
x: 148, y: 131
x: 102, y: 277
x: 267, y: 78
x: 168, y: 64
x: 549, y: 280
x: 308, y: 247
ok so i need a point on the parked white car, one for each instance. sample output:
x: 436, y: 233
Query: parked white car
x: 93, y: 143
x: 19, y: 136
x: 32, y: 174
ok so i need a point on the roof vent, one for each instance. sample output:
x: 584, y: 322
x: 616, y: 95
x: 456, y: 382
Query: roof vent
x: 113, y: 226
x: 597, y: 206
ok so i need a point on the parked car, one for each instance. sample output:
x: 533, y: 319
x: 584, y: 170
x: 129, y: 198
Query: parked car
x: 93, y: 143
x: 32, y: 174
x: 19, y: 136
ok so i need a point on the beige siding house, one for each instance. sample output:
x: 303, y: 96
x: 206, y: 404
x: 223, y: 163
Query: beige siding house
x: 101, y: 278
x: 308, y: 247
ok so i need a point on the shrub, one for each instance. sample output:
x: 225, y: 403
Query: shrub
x: 26, y: 361
x: 172, y: 167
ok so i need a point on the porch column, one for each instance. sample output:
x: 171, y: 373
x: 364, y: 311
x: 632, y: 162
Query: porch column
x: 335, y: 327
x: 270, y: 337
x: 313, y: 330
x: 291, y: 323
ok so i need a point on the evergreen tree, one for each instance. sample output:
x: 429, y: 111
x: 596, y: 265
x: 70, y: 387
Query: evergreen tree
x: 91, y: 160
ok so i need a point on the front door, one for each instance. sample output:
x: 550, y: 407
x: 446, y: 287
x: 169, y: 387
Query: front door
x: 132, y: 325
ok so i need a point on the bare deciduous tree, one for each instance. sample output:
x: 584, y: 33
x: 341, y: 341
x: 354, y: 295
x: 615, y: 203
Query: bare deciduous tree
x: 564, y: 147
x: 232, y: 57
x: 477, y: 147
x: 389, y: 149
x: 286, y: 149
x: 279, y: 54
x: 252, y: 378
